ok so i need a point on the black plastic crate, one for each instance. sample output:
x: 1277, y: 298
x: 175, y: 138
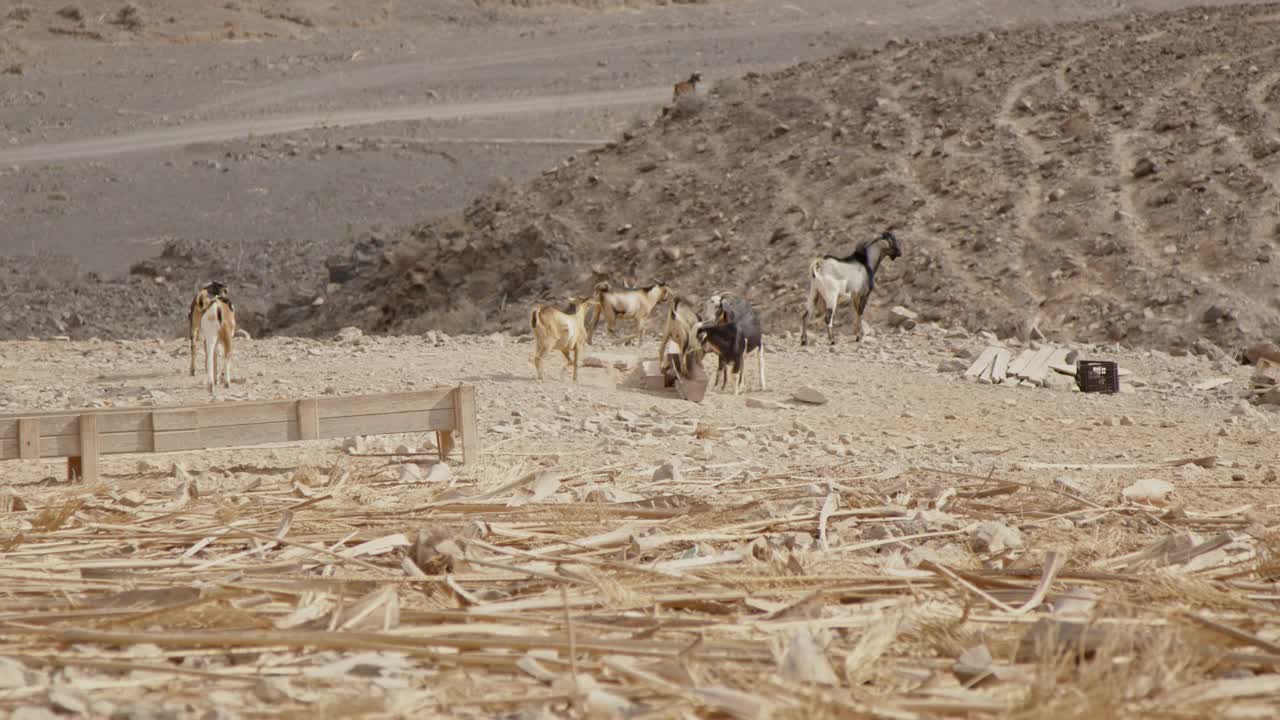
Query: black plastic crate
x: 1098, y: 376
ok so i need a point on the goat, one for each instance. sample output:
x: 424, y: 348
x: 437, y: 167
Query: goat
x: 678, y: 340
x: 627, y: 303
x: 686, y: 87
x: 735, y: 333
x: 833, y: 279
x: 563, y: 330
x: 204, y: 297
x: 218, y: 325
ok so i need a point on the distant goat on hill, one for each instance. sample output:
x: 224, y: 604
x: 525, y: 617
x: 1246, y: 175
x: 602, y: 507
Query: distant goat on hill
x: 686, y: 87
x: 833, y: 279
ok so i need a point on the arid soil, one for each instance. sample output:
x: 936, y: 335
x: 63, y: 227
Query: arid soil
x: 255, y: 141
x: 1110, y: 181
x: 139, y: 597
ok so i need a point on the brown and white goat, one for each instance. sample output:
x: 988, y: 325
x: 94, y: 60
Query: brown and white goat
x: 635, y: 303
x: 679, y: 341
x: 218, y: 325
x: 686, y: 87
x: 204, y: 297
x: 564, y: 330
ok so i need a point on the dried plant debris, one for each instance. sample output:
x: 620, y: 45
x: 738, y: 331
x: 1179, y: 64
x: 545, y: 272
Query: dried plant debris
x: 551, y: 591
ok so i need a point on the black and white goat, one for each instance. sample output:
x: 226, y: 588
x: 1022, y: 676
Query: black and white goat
x: 635, y: 303
x: 218, y: 325
x: 833, y: 279
x: 736, y: 331
x: 205, y: 296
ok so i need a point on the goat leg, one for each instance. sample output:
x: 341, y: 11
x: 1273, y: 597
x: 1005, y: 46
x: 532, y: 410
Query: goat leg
x: 760, y: 361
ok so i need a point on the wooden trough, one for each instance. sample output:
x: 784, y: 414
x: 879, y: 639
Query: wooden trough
x: 82, y: 436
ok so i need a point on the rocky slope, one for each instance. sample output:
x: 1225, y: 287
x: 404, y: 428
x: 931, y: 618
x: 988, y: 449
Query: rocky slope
x: 1097, y: 181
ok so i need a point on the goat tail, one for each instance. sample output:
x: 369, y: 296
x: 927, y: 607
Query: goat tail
x: 533, y: 320
x: 813, y: 267
x: 219, y: 314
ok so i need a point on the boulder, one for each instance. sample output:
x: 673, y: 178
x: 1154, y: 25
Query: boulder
x: 810, y: 395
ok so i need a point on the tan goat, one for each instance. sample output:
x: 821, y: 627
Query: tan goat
x: 218, y: 325
x: 563, y: 330
x: 204, y: 297
x: 680, y: 350
x: 686, y: 87
x: 635, y: 303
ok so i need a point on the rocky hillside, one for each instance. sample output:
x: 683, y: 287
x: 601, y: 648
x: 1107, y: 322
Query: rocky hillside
x: 1100, y: 181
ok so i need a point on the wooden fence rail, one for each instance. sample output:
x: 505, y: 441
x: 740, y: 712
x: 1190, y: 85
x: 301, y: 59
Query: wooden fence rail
x: 82, y: 436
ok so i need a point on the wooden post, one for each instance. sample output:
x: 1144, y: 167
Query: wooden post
x: 28, y: 438
x: 444, y: 443
x: 89, y: 447
x: 464, y: 418
x: 308, y: 420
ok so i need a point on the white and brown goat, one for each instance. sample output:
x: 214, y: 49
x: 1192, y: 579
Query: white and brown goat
x: 564, y: 330
x: 636, y: 303
x: 205, y: 296
x: 218, y: 326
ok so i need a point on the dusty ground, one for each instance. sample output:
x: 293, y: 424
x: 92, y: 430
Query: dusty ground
x: 728, y: 555
x: 283, y: 133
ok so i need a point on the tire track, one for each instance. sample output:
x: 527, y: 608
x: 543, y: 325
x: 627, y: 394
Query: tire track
x: 222, y: 131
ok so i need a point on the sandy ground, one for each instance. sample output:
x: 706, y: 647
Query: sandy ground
x: 161, y: 616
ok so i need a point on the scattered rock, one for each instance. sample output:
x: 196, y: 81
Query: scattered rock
x: 410, y: 473
x: 13, y: 674
x: 1152, y: 491
x: 810, y: 395
x: 994, y: 537
x: 953, y: 365
x: 804, y: 662
x: 765, y: 404
x: 669, y: 470
x: 349, y: 334
x: 1144, y: 168
x: 902, y: 317
x: 439, y: 473
x: 1049, y: 638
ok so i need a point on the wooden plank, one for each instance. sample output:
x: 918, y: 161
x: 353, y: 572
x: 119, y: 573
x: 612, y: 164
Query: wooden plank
x: 177, y: 440
x: 254, y: 434
x: 464, y: 419
x: 134, y: 430
x: 1040, y: 372
x: 1036, y: 366
x: 417, y: 401
x: 308, y: 419
x: 108, y: 444
x: 89, y: 447
x: 169, y: 420
x: 1016, y: 367
x: 403, y: 422
x: 444, y: 444
x: 136, y: 420
x: 1000, y: 368
x: 29, y: 438
x: 982, y: 363
x: 232, y: 414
